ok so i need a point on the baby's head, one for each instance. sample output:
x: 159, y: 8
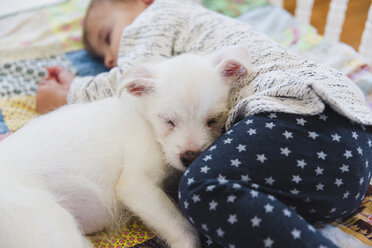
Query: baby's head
x: 104, y: 23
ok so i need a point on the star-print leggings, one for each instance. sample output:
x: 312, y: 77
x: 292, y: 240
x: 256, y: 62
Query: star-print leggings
x: 274, y: 176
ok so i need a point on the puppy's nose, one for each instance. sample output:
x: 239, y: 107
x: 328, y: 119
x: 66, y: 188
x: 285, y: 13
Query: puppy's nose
x: 188, y: 156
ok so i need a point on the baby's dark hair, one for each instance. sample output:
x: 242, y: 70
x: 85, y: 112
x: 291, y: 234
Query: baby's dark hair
x: 88, y: 47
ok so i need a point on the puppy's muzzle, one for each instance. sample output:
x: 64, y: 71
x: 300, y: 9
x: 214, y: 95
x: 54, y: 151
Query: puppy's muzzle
x: 188, y: 156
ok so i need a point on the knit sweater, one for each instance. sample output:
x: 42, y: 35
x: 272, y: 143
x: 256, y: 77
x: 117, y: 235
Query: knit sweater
x: 279, y: 81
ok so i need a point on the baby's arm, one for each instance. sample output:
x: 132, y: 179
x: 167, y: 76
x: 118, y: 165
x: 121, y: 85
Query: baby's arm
x: 89, y: 89
x: 61, y: 87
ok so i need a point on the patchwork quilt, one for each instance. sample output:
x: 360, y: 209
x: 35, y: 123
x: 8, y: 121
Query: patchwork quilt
x: 30, y: 41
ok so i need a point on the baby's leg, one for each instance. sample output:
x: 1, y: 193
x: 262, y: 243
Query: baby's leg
x: 264, y: 181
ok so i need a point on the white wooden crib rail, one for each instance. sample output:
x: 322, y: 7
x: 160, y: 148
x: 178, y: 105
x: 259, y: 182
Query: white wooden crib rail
x: 335, y: 21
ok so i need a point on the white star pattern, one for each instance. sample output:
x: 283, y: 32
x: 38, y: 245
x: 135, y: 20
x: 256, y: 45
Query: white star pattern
x: 346, y: 195
x: 268, y: 242
x: 190, y: 180
x: 251, y: 131
x: 348, y: 154
x: 313, y: 135
x: 296, y: 233
x: 235, y: 163
x: 336, y: 137
x: 254, y: 193
x: 285, y: 151
x: 295, y: 191
x: 323, y: 117
x: 360, y: 150
x: 311, y: 228
x: 287, y: 134
x: 213, y: 205
x: 241, y: 148
x: 321, y: 155
x: 344, y: 168
x: 221, y: 179
x: 205, y: 227
x: 301, y: 121
x: 338, y: 182
x: 357, y: 196
x: 232, y: 219
x: 255, y: 185
x: 245, y: 178
x: 204, y: 169
x: 220, y: 232
x: 354, y: 135
x: 272, y: 116
x: 296, y: 178
x: 269, y: 208
x: 319, y: 171
x: 287, y: 213
x: 209, y: 242
x: 192, y: 220
x: 249, y: 122
x: 255, y: 221
x: 212, y: 148
x: 208, y: 157
x: 301, y: 163
x: 271, y: 197
x: 229, y: 132
x: 361, y: 181
x: 269, y: 180
x: 210, y: 187
x: 236, y: 186
x: 319, y: 186
x: 261, y: 158
x: 196, y: 198
x: 369, y: 143
x: 231, y: 198
x: 270, y: 125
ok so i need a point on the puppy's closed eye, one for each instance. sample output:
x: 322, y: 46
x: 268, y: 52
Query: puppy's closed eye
x: 171, y: 124
x: 168, y: 121
x: 211, y: 122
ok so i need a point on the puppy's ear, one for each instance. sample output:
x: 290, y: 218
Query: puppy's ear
x: 137, y: 82
x: 232, y: 64
x: 232, y: 70
x: 140, y: 86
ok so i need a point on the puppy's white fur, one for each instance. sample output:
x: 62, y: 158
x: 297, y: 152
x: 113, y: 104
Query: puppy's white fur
x: 73, y: 171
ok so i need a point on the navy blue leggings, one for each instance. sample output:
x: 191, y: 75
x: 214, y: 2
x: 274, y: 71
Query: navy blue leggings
x: 274, y: 176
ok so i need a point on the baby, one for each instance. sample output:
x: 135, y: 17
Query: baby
x: 103, y: 26
x: 292, y: 142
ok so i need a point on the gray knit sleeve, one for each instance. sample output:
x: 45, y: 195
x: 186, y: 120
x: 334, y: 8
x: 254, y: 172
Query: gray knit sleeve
x: 88, y: 89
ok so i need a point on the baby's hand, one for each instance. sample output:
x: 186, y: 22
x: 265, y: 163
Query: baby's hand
x: 53, y: 89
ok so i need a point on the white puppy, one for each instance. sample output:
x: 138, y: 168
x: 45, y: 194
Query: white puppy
x: 73, y: 171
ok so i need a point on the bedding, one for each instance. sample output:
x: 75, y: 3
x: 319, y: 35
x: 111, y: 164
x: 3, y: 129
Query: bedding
x: 50, y: 36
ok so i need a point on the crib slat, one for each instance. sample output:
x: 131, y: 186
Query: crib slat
x: 278, y: 3
x: 303, y: 10
x: 335, y: 19
x: 365, y: 47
